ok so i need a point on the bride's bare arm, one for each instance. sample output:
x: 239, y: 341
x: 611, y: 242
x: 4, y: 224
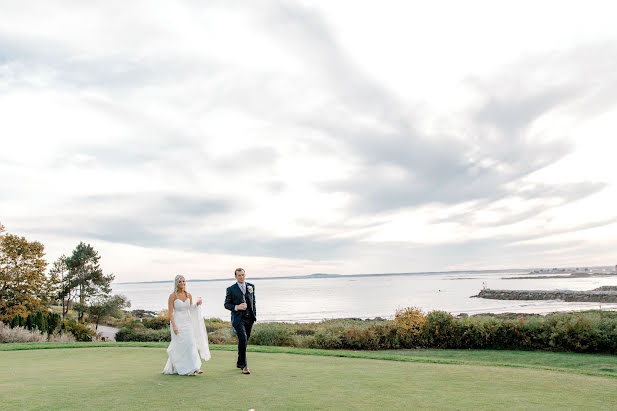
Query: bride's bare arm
x: 170, y: 308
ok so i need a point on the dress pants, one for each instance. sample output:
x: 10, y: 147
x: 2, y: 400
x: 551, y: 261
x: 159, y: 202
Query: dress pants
x: 243, y: 331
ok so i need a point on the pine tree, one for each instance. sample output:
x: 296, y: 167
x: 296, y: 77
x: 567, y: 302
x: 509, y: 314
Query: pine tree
x: 38, y: 321
x: 53, y: 320
x: 86, y: 276
x: 60, y: 286
x: 30, y: 321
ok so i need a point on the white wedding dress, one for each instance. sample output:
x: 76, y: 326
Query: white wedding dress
x: 191, y: 338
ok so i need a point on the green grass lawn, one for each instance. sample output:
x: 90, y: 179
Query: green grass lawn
x: 127, y: 376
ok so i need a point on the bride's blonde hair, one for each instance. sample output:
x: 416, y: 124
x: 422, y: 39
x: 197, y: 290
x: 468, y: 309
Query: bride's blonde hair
x: 176, y: 280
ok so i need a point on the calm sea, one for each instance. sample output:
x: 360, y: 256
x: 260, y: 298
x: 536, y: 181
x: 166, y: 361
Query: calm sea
x: 314, y: 299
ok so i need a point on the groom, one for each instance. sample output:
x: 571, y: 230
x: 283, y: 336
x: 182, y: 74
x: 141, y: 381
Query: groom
x: 240, y: 300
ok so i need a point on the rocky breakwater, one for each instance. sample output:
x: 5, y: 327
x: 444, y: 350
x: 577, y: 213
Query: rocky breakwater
x: 596, y: 296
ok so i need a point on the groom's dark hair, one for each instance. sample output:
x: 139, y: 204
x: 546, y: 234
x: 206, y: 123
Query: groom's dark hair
x: 238, y: 269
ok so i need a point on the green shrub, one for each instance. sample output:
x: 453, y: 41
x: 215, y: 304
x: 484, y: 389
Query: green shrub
x: 577, y: 332
x: 304, y: 341
x: 388, y: 337
x: 475, y: 333
x: 531, y: 331
x: 375, y: 337
x: 126, y: 319
x: 439, y: 330
x: 408, y: 323
x: 223, y: 336
x: 156, y: 323
x: 570, y: 333
x: 328, y: 338
x: 216, y: 320
x: 278, y: 334
x: 80, y: 331
x: 506, y: 335
x: 606, y: 335
x: 215, y: 324
x: 143, y: 334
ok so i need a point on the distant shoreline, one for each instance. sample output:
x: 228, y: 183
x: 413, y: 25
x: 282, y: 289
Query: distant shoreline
x: 321, y: 275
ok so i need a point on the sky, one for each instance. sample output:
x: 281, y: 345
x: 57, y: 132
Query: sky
x: 297, y: 137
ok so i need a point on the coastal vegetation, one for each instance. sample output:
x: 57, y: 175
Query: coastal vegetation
x: 585, y: 332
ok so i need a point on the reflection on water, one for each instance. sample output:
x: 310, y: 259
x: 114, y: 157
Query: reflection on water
x: 369, y: 297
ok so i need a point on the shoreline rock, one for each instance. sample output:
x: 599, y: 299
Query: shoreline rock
x: 577, y: 274
x: 596, y: 296
x: 139, y: 313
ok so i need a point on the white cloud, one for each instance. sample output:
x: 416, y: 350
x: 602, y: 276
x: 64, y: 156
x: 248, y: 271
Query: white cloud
x: 293, y: 137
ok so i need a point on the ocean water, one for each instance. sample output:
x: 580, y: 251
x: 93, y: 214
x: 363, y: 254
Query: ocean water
x: 315, y: 299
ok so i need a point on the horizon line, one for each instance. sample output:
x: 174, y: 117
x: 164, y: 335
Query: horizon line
x: 327, y: 275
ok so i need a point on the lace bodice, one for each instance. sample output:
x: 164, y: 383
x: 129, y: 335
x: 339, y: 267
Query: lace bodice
x: 180, y: 306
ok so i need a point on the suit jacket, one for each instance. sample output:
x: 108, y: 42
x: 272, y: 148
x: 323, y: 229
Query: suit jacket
x: 234, y: 297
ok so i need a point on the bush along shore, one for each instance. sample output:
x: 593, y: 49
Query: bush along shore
x: 605, y: 294
x: 590, y: 331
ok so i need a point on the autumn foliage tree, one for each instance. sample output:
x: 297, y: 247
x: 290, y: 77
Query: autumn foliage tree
x: 22, y: 275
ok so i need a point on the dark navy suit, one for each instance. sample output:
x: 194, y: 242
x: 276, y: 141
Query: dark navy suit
x: 241, y: 320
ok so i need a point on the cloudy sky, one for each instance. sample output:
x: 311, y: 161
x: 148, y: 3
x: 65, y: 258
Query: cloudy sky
x: 293, y: 137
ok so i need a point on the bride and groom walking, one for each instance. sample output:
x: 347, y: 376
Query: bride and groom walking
x: 189, y: 338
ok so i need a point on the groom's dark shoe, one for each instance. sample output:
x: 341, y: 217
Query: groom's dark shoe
x: 238, y: 366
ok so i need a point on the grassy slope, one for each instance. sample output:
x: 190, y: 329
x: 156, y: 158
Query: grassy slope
x: 127, y: 377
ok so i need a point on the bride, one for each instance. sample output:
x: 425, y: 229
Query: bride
x: 188, y: 332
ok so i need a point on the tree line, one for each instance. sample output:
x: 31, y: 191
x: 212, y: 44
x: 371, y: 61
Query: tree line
x: 75, y: 282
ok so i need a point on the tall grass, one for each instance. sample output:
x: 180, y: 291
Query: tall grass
x: 22, y: 334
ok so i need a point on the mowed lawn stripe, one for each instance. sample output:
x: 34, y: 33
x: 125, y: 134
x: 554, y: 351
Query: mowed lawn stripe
x: 129, y: 378
x: 589, y: 364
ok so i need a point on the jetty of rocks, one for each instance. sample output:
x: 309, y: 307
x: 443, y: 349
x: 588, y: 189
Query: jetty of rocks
x: 599, y: 296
